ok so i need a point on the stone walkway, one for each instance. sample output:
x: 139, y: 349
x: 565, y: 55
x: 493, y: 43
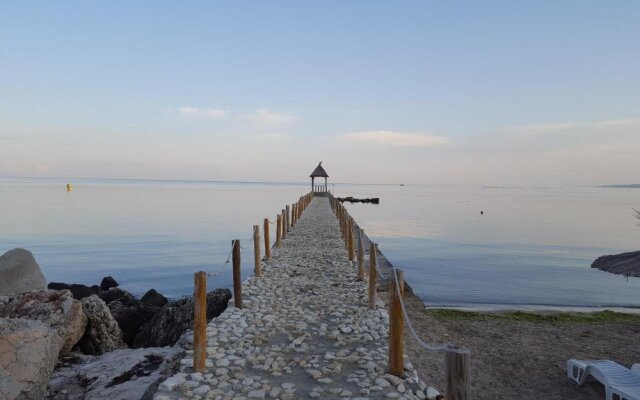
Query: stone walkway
x: 304, y: 331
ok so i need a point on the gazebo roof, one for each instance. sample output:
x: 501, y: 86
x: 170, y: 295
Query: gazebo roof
x: 319, y: 172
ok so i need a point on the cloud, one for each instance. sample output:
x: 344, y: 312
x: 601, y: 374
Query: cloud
x: 204, y: 113
x: 398, y: 139
x: 267, y: 118
x: 578, y: 127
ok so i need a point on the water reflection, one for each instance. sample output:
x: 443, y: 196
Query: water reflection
x: 531, y: 246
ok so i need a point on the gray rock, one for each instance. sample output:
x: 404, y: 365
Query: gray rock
x: 102, y: 333
x: 9, y: 387
x: 57, y: 309
x: 432, y: 393
x: 166, y: 327
x: 28, y: 353
x: 19, y: 273
x: 126, y: 374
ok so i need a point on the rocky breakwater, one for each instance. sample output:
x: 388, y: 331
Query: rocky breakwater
x: 85, y: 333
x: 304, y: 331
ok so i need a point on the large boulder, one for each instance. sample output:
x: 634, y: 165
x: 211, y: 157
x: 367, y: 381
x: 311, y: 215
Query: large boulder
x: 130, y: 312
x: 28, y: 353
x: 166, y: 327
x: 102, y: 333
x: 57, y: 309
x: 125, y: 374
x: 19, y: 273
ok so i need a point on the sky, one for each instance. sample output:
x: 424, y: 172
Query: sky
x: 463, y: 92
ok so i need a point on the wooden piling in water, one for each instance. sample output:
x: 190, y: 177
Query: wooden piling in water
x: 267, y: 240
x: 458, y: 367
x: 361, y: 254
x: 278, y: 230
x: 237, y: 278
x: 200, y: 321
x: 373, y: 255
x: 257, y: 259
x: 396, y: 324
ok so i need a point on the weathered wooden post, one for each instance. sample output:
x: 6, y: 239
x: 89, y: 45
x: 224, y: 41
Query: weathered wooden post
x: 361, y: 255
x: 294, y: 213
x: 373, y: 256
x: 200, y: 321
x: 457, y: 364
x: 396, y: 324
x: 352, y: 253
x: 278, y: 230
x: 346, y: 232
x: 267, y: 240
x: 284, y: 225
x: 257, y: 270
x: 287, y: 216
x: 237, y: 279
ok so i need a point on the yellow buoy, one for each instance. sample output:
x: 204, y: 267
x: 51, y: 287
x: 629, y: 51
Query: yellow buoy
x: 69, y: 187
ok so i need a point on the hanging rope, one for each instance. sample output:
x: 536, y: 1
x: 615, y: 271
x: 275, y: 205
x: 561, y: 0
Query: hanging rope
x: 214, y: 274
x: 427, y: 346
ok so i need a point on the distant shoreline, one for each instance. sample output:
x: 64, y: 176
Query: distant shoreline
x: 533, y: 308
x: 628, y: 186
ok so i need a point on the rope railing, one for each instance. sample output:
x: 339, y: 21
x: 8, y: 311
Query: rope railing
x: 457, y: 359
x: 421, y: 342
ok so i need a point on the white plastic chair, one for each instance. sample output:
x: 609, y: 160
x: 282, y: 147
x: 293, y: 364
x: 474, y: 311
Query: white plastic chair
x: 619, y: 382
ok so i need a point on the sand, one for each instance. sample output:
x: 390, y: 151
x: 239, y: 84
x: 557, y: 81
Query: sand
x: 514, y: 359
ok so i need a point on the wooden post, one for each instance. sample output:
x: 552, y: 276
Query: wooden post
x: 278, y: 230
x: 396, y: 324
x: 373, y: 255
x: 345, y: 224
x: 352, y: 253
x: 237, y: 279
x: 257, y: 270
x: 361, y: 255
x: 287, y: 216
x: 457, y: 365
x: 294, y: 213
x: 267, y: 240
x: 200, y: 321
x: 284, y: 225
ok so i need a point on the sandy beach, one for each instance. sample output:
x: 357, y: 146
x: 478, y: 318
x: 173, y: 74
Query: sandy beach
x: 517, y: 355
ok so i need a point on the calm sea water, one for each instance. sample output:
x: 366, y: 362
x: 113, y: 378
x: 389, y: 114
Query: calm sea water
x: 532, y: 245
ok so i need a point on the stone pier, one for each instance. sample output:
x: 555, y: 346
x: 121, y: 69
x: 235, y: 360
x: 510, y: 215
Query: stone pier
x: 304, y: 331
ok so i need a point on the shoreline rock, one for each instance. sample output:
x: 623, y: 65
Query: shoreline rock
x: 626, y: 264
x: 57, y: 309
x: 28, y: 354
x: 171, y: 322
x: 102, y: 334
x: 19, y: 273
x: 126, y: 374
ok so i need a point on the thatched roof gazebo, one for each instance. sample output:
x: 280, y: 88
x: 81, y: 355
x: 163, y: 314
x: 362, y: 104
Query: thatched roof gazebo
x: 319, y: 172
